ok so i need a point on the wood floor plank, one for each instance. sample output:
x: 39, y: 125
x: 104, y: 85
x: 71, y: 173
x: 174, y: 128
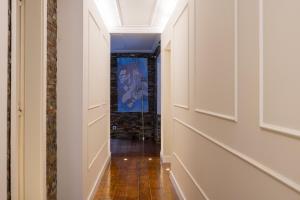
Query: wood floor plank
x: 138, y: 177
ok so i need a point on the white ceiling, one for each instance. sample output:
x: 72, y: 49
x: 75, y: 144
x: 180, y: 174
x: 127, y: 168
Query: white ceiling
x: 134, y: 43
x: 136, y: 16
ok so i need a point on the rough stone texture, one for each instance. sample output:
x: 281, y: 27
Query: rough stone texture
x: 129, y: 125
x: 51, y: 100
x: 158, y: 117
x: 9, y: 105
x: 158, y: 129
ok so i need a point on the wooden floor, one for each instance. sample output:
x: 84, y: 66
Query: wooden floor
x: 136, y: 177
x: 121, y: 147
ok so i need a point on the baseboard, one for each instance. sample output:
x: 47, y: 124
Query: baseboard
x: 176, y: 186
x: 99, y: 177
x: 165, y: 159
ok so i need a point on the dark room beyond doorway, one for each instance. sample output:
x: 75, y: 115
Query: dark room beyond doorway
x: 135, y: 94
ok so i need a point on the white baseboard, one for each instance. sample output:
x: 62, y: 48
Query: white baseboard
x: 166, y: 158
x: 100, y: 175
x: 176, y: 186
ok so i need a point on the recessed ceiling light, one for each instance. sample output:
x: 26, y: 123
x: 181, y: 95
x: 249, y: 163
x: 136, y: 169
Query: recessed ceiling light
x: 125, y: 159
x: 149, y: 159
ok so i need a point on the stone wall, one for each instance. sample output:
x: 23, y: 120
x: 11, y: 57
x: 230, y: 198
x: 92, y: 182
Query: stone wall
x: 129, y: 125
x: 158, y: 117
x: 9, y: 105
x: 51, y: 100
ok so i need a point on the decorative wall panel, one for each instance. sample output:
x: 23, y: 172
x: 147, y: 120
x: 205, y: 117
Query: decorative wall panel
x: 279, y: 66
x: 181, y: 60
x: 216, y: 58
x: 97, y: 80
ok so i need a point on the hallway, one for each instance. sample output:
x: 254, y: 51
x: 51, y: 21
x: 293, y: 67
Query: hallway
x: 134, y: 176
x: 149, y: 99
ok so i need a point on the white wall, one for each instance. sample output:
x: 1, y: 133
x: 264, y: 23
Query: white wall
x: 97, y: 87
x: 235, y: 105
x: 35, y: 65
x: 3, y: 96
x: 83, y: 99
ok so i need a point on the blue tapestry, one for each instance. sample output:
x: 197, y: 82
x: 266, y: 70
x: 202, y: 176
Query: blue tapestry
x: 132, y: 85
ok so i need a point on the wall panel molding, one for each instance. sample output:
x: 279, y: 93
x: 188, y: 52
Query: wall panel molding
x: 95, y: 63
x: 181, y: 105
x: 234, y: 117
x: 96, y: 106
x: 96, y: 120
x: 98, y: 180
x: 177, y: 187
x: 217, y: 115
x: 266, y: 170
x: 263, y: 124
x: 93, y: 153
x: 191, y: 176
x: 97, y: 154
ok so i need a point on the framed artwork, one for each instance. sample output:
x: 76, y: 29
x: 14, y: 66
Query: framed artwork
x: 132, y: 75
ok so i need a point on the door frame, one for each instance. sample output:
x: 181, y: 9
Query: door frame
x: 166, y: 110
x: 35, y: 54
x: 3, y: 96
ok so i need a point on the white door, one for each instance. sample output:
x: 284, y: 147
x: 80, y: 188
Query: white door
x: 3, y: 97
x: 18, y: 108
x: 28, y: 150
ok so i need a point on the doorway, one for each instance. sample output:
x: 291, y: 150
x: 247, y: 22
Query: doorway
x: 28, y: 100
x: 136, y: 170
x: 135, y: 94
x: 166, y: 126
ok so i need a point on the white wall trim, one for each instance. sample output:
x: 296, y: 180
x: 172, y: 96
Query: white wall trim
x: 96, y: 106
x: 184, y: 8
x: 217, y: 115
x: 181, y: 10
x: 136, y: 29
x: 176, y: 186
x: 3, y: 97
x: 272, y: 127
x: 165, y: 158
x: 233, y: 118
x: 266, y: 170
x: 97, y: 155
x: 191, y: 177
x: 99, y: 177
x: 120, y: 15
x: 154, y: 12
x: 96, y: 120
x: 181, y: 106
x: 133, y: 51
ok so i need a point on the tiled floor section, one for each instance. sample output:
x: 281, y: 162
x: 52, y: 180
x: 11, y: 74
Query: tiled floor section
x: 135, y: 177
